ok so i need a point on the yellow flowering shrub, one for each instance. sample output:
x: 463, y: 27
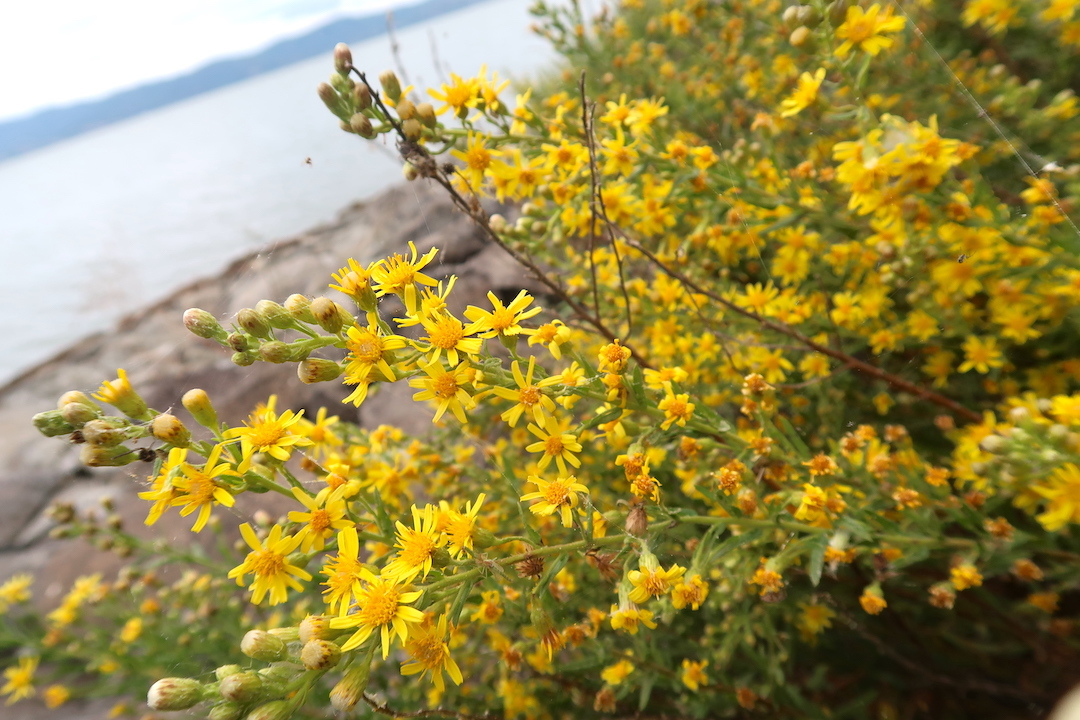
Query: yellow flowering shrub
x: 792, y: 429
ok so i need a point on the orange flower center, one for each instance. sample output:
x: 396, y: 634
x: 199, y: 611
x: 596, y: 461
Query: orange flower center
x: 529, y: 396
x: 380, y: 604
x: 445, y: 386
x: 557, y: 493
x: 446, y: 332
x: 267, y: 563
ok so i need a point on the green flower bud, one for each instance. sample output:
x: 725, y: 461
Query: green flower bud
x: 107, y: 456
x: 197, y: 402
x: 243, y: 359
x: 332, y: 101
x: 105, y: 432
x: 343, y: 84
x: 342, y: 58
x: 226, y: 670
x: 201, y: 323
x: 362, y: 96
x: 390, y: 84
x: 261, y: 645
x: 837, y: 12
x: 808, y: 16
x: 274, y: 710
x: 802, y: 38
x: 425, y: 113
x: 227, y: 710
x: 409, y: 171
x: 320, y: 654
x: 299, y: 307
x: 406, y: 109
x: 168, y: 428
x: 350, y: 688
x: 275, y: 352
x: 316, y: 370
x: 361, y: 125
x: 330, y: 316
x: 74, y: 396
x: 275, y: 314
x: 78, y: 414
x: 315, y: 627
x: 412, y: 129
x: 243, y: 687
x: 253, y: 323
x: 174, y: 694
x: 52, y: 423
x: 238, y: 342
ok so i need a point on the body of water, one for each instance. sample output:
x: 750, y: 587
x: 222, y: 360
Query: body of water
x: 98, y: 226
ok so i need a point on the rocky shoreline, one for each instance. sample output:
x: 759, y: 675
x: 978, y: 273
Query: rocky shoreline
x: 164, y: 360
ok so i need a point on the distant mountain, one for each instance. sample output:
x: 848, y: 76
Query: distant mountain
x: 50, y: 126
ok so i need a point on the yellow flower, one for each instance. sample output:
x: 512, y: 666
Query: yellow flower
x: 628, y: 617
x: 814, y: 619
x: 812, y: 507
x: 994, y: 15
x: 15, y: 590
x: 1062, y: 492
x: 805, y: 94
x: 502, y: 319
x: 196, y: 488
x: 342, y: 572
x: 981, y: 354
x: 677, y: 408
x: 692, y: 592
x: 446, y: 388
x: 490, y: 609
x: 555, y: 445
x: 693, y: 674
x: 20, y: 680
x: 559, y: 495
x: 864, y: 28
x: 269, y: 564
x: 417, y: 546
x: 381, y: 605
x: 122, y: 396
x: 398, y: 275
x: 652, y: 582
x: 430, y: 652
x: 369, y: 348
x: 965, y: 576
x: 461, y: 526
x: 615, y: 674
x: 326, y: 512
x: 55, y: 696
x: 530, y: 398
x: 872, y: 600
x: 459, y: 95
x: 265, y: 432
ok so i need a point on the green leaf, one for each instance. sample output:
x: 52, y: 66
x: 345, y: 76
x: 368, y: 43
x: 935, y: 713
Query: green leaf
x: 817, y: 558
x: 646, y: 692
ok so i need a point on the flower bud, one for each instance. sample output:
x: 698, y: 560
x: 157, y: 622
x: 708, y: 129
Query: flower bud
x: 74, y: 396
x: 226, y: 670
x: 122, y: 396
x: 243, y: 359
x: 299, y: 307
x: 409, y: 171
x: 637, y: 521
x: 104, y: 433
x: 342, y: 58
x: 809, y: 16
x: 412, y: 129
x: 201, y: 323
x: 253, y: 323
x: 315, y: 627
x: 174, y: 694
x: 405, y: 109
x: 197, y: 402
x: 261, y: 645
x: 168, y: 428
x: 498, y: 223
x: 790, y: 17
x: 425, y: 113
x: 801, y: 38
x: 361, y: 125
x: 276, y: 315
x: 275, y: 352
x: 243, y: 687
x: 107, y: 456
x: 320, y: 654
x: 362, y: 96
x: 332, y: 100
x: 228, y: 710
x: 350, y: 688
x: 390, y: 84
x: 52, y: 423
x: 837, y: 12
x: 343, y: 84
x: 274, y: 710
x: 316, y: 370
x: 330, y: 316
x: 78, y: 414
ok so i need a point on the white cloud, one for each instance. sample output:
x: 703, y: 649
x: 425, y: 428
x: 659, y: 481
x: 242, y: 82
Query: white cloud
x: 64, y: 51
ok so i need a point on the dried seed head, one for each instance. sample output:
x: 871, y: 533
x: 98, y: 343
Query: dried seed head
x: 531, y: 567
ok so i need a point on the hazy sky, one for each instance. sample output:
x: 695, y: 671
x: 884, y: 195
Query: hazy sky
x: 58, y: 52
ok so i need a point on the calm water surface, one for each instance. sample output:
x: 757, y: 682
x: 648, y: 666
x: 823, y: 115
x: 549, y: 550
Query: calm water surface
x: 103, y: 224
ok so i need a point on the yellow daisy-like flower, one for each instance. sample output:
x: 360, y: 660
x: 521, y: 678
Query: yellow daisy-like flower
x: 266, y: 432
x: 20, y: 680
x: 865, y: 28
x: 555, y: 445
x: 269, y: 564
x: 692, y: 592
x: 559, y: 495
x: 55, y: 696
x: 615, y: 674
x: 381, y: 604
x: 460, y: 527
x: 430, y: 653
x: 416, y: 546
x: 981, y: 354
x: 459, y: 95
x: 805, y: 94
x: 502, y: 319
x: 652, y: 580
x: 162, y: 492
x: 320, y: 433
x: 447, y: 334
x: 551, y: 335
x: 343, y: 572
x: 629, y: 617
x: 196, y: 488
x: 369, y: 348
x: 399, y: 275
x: 677, y: 408
x: 15, y: 590
x: 122, y: 396
x: 326, y: 512
x: 447, y: 389
x: 354, y: 281
x: 693, y: 674
x: 530, y: 398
